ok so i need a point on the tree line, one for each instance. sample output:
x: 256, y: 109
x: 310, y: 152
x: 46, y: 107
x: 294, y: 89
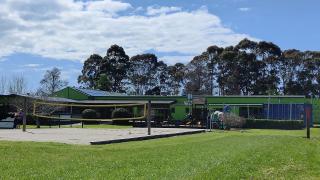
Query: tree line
x: 248, y: 68
x: 141, y: 74
x: 13, y: 85
x: 50, y: 83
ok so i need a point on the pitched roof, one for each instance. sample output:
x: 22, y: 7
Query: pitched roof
x: 123, y: 102
x: 95, y: 93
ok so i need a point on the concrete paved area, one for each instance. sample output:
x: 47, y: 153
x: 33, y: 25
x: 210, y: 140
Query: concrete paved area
x: 87, y: 136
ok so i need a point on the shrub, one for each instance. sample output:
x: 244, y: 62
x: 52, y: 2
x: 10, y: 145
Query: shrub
x: 6, y: 110
x: 274, y: 124
x: 121, y: 113
x: 31, y: 119
x: 233, y: 121
x: 89, y: 114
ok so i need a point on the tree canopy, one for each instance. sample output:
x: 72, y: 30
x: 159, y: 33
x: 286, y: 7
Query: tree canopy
x: 248, y: 68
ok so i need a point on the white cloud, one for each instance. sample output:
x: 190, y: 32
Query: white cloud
x: 244, y: 9
x: 32, y: 65
x: 171, y: 60
x: 107, y: 6
x: 67, y: 29
x: 151, y: 11
x: 70, y: 75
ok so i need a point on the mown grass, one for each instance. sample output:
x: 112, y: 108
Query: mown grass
x: 257, y: 154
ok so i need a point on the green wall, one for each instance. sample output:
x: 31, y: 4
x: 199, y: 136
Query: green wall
x: 180, y: 112
x: 215, y: 101
x: 254, y: 99
x: 315, y: 109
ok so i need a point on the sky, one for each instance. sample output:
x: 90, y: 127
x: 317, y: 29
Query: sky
x: 36, y: 36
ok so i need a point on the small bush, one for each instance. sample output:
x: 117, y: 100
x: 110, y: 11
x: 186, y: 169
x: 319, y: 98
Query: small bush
x: 121, y: 113
x: 233, y: 121
x: 89, y: 114
x: 6, y: 110
x: 274, y: 124
x: 31, y: 119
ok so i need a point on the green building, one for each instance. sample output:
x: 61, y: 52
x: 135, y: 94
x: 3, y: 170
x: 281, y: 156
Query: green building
x: 178, y: 107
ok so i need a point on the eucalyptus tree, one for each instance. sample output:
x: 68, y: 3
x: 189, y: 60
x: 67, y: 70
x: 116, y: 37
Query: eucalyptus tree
x: 269, y: 54
x: 289, y: 66
x: 228, y: 77
x: 104, y: 83
x: 248, y: 46
x: 115, y: 65
x: 248, y: 72
x: 307, y: 77
x: 251, y: 67
x: 142, y: 72
x: 91, y: 71
x: 162, y: 78
x: 213, y: 60
x: 176, y: 77
x: 197, y: 75
x: 316, y: 57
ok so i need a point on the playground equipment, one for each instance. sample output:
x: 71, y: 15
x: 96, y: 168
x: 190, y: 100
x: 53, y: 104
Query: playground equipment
x: 215, y: 120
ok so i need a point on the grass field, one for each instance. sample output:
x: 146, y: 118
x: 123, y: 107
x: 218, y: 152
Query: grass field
x: 258, y: 154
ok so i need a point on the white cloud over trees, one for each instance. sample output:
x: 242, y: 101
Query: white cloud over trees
x: 67, y: 29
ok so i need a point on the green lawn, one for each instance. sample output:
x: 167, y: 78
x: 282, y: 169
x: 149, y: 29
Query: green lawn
x: 257, y: 154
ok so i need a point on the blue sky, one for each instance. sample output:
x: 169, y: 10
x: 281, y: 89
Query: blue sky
x: 38, y: 35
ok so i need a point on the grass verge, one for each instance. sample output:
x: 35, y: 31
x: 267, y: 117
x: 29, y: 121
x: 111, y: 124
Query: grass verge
x: 258, y: 154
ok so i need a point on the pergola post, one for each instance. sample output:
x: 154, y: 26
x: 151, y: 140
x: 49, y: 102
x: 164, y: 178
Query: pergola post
x: 149, y: 118
x: 24, y: 118
x: 308, y: 119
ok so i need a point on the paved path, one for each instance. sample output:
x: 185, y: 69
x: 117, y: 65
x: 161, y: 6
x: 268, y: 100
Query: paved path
x: 85, y: 136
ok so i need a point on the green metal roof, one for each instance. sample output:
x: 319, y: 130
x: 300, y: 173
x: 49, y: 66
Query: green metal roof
x: 97, y: 93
